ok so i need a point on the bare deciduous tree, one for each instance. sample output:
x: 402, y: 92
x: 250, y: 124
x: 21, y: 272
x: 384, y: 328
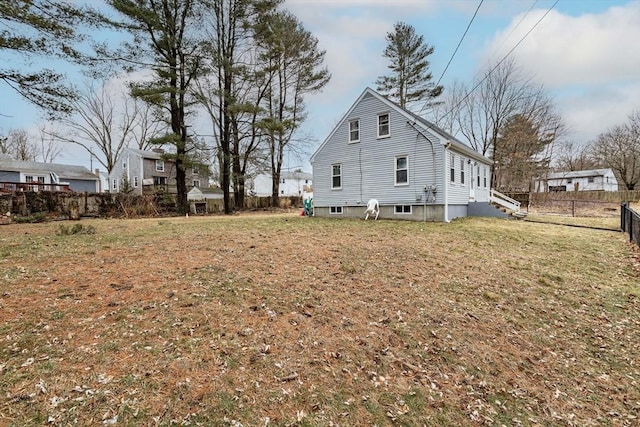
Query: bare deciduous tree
x: 619, y: 149
x: 575, y: 157
x: 18, y: 145
x: 104, y: 124
x: 505, y: 91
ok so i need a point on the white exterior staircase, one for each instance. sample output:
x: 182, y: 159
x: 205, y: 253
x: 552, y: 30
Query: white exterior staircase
x: 507, y: 204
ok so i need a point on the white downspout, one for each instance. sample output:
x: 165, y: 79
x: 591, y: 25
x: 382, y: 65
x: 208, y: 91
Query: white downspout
x: 446, y: 183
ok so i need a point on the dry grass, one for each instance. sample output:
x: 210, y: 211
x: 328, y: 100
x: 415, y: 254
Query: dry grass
x: 283, y: 320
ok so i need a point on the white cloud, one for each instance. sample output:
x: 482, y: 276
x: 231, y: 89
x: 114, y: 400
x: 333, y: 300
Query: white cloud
x: 586, y: 49
x: 593, y: 111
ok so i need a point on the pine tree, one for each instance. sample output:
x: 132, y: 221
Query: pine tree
x: 32, y: 29
x: 410, y: 79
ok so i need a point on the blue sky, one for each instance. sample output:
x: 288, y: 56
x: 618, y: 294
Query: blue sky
x: 586, y: 54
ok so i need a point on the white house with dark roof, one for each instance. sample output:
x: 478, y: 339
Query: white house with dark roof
x: 585, y: 180
x: 39, y: 176
x: 415, y: 170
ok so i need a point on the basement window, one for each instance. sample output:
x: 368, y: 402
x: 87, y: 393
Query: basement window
x: 335, y: 210
x: 403, y: 209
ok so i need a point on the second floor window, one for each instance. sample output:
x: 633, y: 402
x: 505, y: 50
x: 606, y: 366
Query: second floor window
x: 196, y: 183
x: 383, y: 125
x: 135, y: 182
x: 159, y: 165
x: 354, y: 131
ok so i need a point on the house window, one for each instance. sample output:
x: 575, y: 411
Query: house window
x: 590, y: 179
x: 336, y: 177
x: 159, y: 165
x: 403, y: 209
x: 461, y: 171
x: 484, y: 173
x: 124, y: 164
x: 383, y: 125
x: 452, y: 168
x: 114, y: 185
x: 306, y: 181
x: 283, y: 181
x: 478, y: 174
x: 135, y: 182
x: 354, y: 131
x: 195, y: 170
x: 196, y: 183
x: 159, y: 180
x: 569, y: 181
x: 402, y: 170
x: 335, y: 210
x: 28, y: 178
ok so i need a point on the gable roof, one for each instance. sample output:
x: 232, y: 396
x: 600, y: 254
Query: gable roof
x: 63, y: 171
x: 412, y: 119
x: 147, y: 154
x: 579, y: 174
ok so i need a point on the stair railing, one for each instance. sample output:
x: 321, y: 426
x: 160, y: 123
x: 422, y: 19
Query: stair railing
x: 504, y: 201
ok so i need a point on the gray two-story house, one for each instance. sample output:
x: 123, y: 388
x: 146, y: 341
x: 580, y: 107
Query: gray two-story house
x: 416, y: 171
x: 144, y: 172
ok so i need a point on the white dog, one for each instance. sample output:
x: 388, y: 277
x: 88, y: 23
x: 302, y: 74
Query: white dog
x: 373, y: 207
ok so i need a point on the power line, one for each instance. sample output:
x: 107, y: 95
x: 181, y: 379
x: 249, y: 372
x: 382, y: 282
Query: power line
x: 501, y: 61
x: 454, y: 52
x: 504, y: 40
x: 460, y: 42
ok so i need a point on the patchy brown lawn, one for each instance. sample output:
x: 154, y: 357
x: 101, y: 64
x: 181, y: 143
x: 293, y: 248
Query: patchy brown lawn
x: 283, y: 320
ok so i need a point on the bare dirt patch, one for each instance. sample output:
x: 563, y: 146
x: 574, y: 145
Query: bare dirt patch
x: 283, y: 320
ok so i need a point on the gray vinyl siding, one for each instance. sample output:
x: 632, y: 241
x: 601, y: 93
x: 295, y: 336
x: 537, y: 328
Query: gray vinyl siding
x: 81, y: 186
x: 368, y: 166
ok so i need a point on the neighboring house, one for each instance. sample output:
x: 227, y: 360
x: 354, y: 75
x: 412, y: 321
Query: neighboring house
x: 587, y: 180
x: 149, y: 172
x: 415, y: 170
x: 291, y: 184
x: 37, y: 176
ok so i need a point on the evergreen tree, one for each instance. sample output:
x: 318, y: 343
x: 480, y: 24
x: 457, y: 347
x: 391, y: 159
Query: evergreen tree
x: 41, y: 28
x: 520, y: 154
x: 410, y: 78
x: 166, y: 35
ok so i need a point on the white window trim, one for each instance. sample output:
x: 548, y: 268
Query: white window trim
x: 463, y: 175
x: 395, y: 210
x: 353, y: 141
x: 395, y: 171
x: 388, y: 134
x: 159, y: 165
x: 336, y: 210
x: 333, y: 176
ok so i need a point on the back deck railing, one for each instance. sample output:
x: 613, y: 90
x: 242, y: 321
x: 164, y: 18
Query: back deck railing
x: 630, y: 223
x: 9, y: 187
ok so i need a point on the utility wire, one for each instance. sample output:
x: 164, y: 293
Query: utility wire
x: 460, y: 42
x: 501, y: 61
x: 504, y: 40
x: 454, y: 52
